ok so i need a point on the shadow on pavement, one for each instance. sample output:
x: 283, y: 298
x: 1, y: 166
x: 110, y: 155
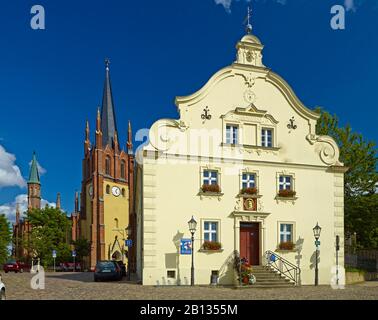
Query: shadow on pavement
x: 81, y: 277
x: 74, y: 276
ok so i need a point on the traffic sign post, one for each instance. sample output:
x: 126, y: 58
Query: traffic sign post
x: 54, y: 257
x: 128, y: 244
x: 74, y: 256
x: 186, y: 246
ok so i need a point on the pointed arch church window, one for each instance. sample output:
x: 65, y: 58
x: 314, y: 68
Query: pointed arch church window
x: 107, y: 165
x: 123, y: 169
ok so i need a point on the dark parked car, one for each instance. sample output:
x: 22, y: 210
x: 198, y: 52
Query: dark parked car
x: 107, y: 270
x: 15, y: 266
x: 123, y: 268
x: 68, y: 266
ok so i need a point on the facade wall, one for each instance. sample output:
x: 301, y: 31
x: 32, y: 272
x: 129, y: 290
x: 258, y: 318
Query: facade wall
x: 115, y: 208
x: 176, y: 200
x: 249, y: 97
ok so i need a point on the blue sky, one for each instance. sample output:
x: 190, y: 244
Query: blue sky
x: 51, y: 80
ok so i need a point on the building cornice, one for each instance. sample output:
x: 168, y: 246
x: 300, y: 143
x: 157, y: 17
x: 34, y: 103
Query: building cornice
x: 156, y: 155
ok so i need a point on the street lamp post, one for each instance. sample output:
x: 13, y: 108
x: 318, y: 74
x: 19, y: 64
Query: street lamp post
x: 192, y: 228
x: 317, y: 231
x: 128, y: 233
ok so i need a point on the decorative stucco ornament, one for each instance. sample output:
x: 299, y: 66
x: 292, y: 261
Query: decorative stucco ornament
x: 327, y: 148
x: 206, y: 114
x: 291, y: 124
x: 249, y: 80
x: 249, y: 96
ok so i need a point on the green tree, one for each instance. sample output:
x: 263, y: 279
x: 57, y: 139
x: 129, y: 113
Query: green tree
x: 360, y: 156
x: 50, y: 227
x: 83, y: 249
x: 5, y: 238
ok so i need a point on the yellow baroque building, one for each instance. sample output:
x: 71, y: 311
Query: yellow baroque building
x: 245, y: 161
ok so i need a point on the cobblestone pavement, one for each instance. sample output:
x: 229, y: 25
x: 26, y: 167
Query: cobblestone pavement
x: 80, y: 286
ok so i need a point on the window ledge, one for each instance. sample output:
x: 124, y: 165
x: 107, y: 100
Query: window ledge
x: 278, y: 198
x: 246, y: 195
x: 285, y: 251
x: 210, y: 251
x: 210, y: 194
x: 249, y: 146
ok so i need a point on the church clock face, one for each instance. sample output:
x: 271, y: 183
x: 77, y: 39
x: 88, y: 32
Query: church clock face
x: 116, y: 191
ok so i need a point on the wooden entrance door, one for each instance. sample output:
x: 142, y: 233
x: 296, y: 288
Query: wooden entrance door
x: 250, y: 242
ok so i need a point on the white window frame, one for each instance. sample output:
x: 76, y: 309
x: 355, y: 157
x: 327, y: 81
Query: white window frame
x: 264, y: 142
x: 232, y: 136
x: 293, y: 229
x: 209, y: 168
x: 284, y: 183
x: 249, y: 171
x: 218, y: 231
x: 248, y: 181
x: 210, y: 179
x: 288, y: 174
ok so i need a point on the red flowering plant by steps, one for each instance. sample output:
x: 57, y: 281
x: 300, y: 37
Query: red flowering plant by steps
x: 244, y: 271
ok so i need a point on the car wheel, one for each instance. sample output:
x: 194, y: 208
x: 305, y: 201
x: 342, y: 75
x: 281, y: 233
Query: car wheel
x: 6, y: 271
x: 2, y: 295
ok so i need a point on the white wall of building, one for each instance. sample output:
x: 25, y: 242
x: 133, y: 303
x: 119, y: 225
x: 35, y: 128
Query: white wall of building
x: 251, y: 97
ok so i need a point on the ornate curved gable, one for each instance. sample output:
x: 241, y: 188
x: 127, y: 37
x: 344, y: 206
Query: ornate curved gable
x: 251, y: 97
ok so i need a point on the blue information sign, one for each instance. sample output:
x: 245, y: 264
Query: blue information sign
x: 129, y: 243
x: 73, y: 253
x: 186, y: 246
x: 54, y: 254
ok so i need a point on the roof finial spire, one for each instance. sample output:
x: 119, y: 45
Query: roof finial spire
x: 107, y: 64
x: 248, y: 28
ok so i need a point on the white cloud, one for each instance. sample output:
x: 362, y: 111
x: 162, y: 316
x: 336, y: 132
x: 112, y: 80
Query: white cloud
x: 227, y: 3
x: 41, y: 170
x: 9, y: 209
x: 10, y: 174
x: 350, y: 5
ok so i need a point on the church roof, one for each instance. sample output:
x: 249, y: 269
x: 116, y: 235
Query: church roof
x: 108, y: 120
x: 34, y: 174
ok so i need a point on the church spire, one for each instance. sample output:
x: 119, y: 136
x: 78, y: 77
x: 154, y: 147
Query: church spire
x: 108, y: 120
x: 34, y: 186
x: 58, y: 205
x: 34, y: 174
x: 129, y: 139
x: 17, y: 214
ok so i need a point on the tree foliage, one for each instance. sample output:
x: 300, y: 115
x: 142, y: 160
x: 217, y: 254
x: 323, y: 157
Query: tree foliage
x: 82, y: 248
x: 5, y: 238
x: 50, y: 229
x: 360, y: 156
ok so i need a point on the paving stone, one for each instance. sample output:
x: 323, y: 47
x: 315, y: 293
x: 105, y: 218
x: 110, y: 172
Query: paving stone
x: 80, y: 286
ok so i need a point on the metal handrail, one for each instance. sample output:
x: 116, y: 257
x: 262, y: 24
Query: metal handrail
x: 283, y: 266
